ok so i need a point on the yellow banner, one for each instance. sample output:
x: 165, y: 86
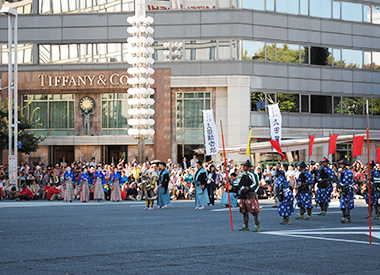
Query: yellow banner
x: 248, y: 152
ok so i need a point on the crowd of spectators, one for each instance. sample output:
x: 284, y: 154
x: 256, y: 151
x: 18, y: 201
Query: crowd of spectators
x: 37, y: 181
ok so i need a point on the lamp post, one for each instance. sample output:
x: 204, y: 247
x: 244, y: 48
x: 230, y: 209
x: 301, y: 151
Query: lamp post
x: 12, y: 85
x: 140, y: 57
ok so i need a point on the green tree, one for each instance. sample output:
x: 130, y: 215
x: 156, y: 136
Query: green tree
x: 30, y: 141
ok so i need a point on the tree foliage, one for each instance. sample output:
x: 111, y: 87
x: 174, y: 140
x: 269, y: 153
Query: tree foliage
x: 30, y: 141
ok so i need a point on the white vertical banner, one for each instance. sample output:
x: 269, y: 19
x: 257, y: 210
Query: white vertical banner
x: 275, y: 122
x: 211, y: 136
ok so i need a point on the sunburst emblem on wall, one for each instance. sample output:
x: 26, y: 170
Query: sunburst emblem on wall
x: 86, y: 103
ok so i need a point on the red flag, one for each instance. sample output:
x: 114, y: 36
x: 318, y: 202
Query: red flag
x: 311, y: 143
x: 377, y: 153
x: 276, y: 145
x: 332, y: 143
x: 357, y: 147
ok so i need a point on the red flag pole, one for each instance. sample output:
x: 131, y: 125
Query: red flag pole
x: 369, y: 183
x: 225, y: 168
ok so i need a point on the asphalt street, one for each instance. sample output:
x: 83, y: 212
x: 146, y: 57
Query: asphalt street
x: 42, y: 237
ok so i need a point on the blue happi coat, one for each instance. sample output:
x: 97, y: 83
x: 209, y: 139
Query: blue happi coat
x: 163, y: 193
x: 201, y: 196
x: 115, y: 176
x: 84, y: 176
x: 347, y: 179
x: 304, y: 199
x: 233, y: 196
x: 323, y: 194
x: 69, y: 175
x: 375, y: 195
x: 98, y: 174
x: 286, y: 207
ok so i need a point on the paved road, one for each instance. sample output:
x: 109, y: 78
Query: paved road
x: 43, y: 237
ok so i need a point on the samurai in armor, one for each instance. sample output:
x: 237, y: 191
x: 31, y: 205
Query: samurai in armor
x: 84, y: 185
x: 304, y: 197
x: 163, y: 186
x: 285, y: 197
x: 325, y: 178
x: 99, y: 180
x: 375, y: 194
x: 148, y: 186
x: 233, y: 189
x: 115, y: 180
x: 346, y: 182
x: 69, y: 180
x: 200, y: 184
x: 249, y: 184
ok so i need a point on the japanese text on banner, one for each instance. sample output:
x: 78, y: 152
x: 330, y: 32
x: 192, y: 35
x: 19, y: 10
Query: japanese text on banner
x: 275, y: 121
x: 211, y: 136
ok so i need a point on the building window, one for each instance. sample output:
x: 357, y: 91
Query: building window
x: 22, y: 6
x: 24, y: 54
x: 115, y: 114
x: 54, y: 112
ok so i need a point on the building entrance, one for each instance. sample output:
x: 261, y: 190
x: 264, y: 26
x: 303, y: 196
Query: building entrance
x: 62, y: 154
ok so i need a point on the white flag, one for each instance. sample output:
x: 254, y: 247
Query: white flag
x: 275, y: 121
x: 211, y: 136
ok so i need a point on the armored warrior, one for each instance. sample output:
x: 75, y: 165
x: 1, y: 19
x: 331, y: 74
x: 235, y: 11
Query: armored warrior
x: 200, y: 183
x: 148, y: 185
x: 84, y: 183
x: 305, y: 179
x: 285, y: 197
x: 325, y: 178
x: 69, y: 180
x: 99, y: 180
x: 346, y: 181
x: 249, y: 184
x: 115, y: 180
x: 374, y: 175
x: 163, y: 184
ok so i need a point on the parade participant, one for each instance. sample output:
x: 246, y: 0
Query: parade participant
x: 200, y: 184
x: 115, y: 180
x: 248, y: 183
x: 304, y: 197
x: 285, y: 197
x: 69, y: 180
x: 346, y: 180
x: 233, y: 182
x: 211, y: 184
x: 163, y: 183
x: 84, y: 183
x: 325, y: 176
x: 148, y: 184
x: 99, y: 180
x: 375, y: 194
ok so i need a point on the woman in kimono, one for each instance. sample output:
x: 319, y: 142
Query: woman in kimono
x: 115, y: 180
x: 69, y: 180
x: 84, y: 185
x: 99, y: 180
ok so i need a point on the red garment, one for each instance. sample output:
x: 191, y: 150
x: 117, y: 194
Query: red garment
x: 26, y: 192
x: 46, y: 188
x: 52, y: 190
x: 1, y: 192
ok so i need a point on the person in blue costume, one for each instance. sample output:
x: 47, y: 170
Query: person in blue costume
x: 304, y: 197
x: 375, y: 194
x: 84, y: 184
x: 163, y: 183
x: 200, y: 183
x: 69, y: 180
x: 233, y: 181
x: 99, y: 180
x: 114, y: 181
x: 325, y: 178
x: 249, y: 184
x: 346, y: 181
x: 285, y: 197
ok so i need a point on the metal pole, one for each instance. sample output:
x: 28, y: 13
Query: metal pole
x: 141, y: 149
x: 10, y: 120
x: 369, y: 182
x: 15, y: 90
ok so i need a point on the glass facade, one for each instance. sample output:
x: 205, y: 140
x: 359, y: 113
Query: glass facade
x: 55, y: 113
x: 115, y: 114
x: 22, y: 6
x: 24, y: 54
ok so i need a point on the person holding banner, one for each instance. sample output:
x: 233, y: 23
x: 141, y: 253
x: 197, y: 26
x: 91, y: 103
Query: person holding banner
x: 325, y: 177
x: 305, y: 179
x: 346, y: 181
x: 374, y: 175
x: 200, y: 183
x: 248, y: 183
x: 285, y: 197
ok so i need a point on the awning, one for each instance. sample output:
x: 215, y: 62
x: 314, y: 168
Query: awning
x: 287, y: 145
